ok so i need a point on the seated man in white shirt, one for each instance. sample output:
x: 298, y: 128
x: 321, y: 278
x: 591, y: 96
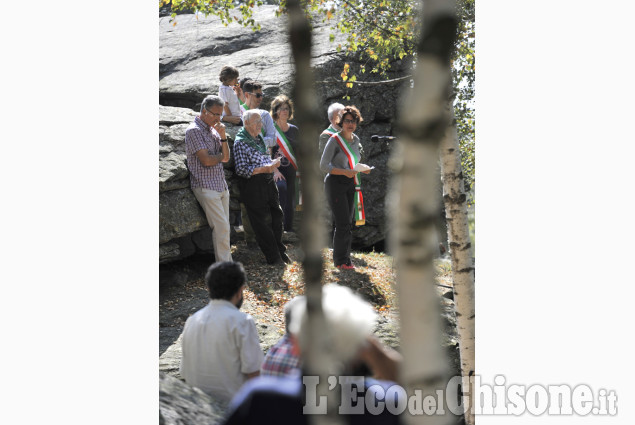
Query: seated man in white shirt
x: 221, y: 348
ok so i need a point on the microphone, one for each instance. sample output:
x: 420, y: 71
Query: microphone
x: 376, y: 138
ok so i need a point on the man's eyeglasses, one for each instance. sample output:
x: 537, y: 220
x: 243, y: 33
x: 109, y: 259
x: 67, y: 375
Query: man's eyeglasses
x: 258, y: 95
x: 213, y: 114
x: 347, y: 121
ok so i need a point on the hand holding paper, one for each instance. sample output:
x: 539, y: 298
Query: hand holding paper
x: 362, y: 168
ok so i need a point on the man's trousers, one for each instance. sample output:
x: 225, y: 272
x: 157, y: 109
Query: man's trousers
x: 260, y: 196
x: 216, y: 207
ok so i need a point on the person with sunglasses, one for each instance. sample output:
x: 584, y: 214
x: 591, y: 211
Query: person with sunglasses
x: 252, y: 91
x: 206, y: 149
x: 341, y: 155
x: 250, y: 96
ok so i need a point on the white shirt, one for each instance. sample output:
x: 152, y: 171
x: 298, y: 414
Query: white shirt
x: 229, y: 96
x: 220, y: 346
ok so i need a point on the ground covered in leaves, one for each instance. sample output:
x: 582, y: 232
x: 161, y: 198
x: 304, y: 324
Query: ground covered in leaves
x: 270, y: 287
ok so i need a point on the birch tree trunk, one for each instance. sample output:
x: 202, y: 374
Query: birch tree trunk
x: 455, y: 202
x: 318, y: 359
x: 415, y: 206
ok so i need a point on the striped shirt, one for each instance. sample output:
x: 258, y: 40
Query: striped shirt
x: 200, y: 136
x: 280, y: 359
x: 247, y: 158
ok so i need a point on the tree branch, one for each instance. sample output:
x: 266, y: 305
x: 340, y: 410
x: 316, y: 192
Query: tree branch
x: 379, y: 27
x: 369, y: 83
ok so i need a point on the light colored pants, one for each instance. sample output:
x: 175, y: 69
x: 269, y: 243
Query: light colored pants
x: 216, y: 207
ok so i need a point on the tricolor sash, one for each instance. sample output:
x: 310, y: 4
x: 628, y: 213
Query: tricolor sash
x: 287, y: 151
x: 285, y: 146
x: 353, y: 160
x: 330, y: 131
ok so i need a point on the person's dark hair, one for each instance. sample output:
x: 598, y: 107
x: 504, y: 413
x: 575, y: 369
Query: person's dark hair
x: 211, y: 101
x: 224, y: 279
x: 242, y: 82
x: 278, y: 102
x: 251, y: 85
x: 227, y: 73
x: 352, y: 110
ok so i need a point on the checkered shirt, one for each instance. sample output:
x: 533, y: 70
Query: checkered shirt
x: 247, y: 158
x: 200, y: 136
x: 280, y: 360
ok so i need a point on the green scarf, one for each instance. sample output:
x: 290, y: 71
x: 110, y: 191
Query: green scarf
x: 256, y: 143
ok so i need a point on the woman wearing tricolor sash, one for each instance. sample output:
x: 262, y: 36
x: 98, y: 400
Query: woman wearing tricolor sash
x: 286, y: 146
x: 342, y: 184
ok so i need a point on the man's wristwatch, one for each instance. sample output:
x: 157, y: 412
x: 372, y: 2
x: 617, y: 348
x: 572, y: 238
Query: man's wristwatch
x: 223, y: 140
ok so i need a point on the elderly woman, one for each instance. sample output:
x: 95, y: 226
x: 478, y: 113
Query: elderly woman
x: 341, y: 154
x: 286, y: 146
x: 255, y: 168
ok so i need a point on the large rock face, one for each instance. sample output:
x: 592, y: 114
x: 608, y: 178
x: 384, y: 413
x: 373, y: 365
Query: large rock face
x: 180, y: 404
x: 191, y: 55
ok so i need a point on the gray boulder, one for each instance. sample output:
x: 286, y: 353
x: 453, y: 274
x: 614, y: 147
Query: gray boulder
x: 180, y: 404
x: 191, y: 55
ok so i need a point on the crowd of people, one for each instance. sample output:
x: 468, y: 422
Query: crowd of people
x: 267, y: 170
x: 221, y: 353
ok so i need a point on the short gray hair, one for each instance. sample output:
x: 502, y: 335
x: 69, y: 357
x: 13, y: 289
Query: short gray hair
x: 334, y: 107
x: 210, y: 101
x: 248, y: 114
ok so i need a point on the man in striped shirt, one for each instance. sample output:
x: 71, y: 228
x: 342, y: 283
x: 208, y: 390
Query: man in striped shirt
x: 206, y: 149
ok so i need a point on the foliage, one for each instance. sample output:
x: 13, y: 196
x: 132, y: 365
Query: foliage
x: 227, y: 10
x: 463, y: 74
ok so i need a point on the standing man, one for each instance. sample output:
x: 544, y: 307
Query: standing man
x: 221, y: 348
x: 206, y: 149
x: 258, y: 191
x: 251, y: 91
x: 333, y: 113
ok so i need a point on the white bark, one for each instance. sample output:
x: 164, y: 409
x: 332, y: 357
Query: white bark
x: 318, y: 358
x: 415, y: 207
x: 461, y: 254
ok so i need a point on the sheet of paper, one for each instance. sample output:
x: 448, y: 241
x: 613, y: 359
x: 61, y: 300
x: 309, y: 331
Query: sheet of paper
x: 362, y: 167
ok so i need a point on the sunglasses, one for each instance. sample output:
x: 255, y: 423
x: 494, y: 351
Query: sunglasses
x: 258, y: 95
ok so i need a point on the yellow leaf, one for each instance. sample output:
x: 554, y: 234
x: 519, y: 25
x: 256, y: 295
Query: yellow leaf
x: 329, y: 15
